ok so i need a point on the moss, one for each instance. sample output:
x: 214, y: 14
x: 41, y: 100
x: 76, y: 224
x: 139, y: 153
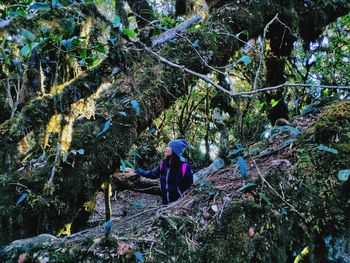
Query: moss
x: 174, y: 246
x: 334, y: 120
x: 228, y: 240
x: 315, y: 192
x: 89, y: 250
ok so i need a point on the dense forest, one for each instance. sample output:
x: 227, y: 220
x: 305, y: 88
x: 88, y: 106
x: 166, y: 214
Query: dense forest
x: 91, y: 90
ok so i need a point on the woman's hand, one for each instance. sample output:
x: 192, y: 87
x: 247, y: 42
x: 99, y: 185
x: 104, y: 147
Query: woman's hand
x: 128, y: 172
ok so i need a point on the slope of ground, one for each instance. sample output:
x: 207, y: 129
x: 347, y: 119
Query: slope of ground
x: 292, y: 206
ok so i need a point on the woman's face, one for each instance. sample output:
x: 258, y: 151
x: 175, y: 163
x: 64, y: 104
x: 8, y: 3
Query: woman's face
x: 168, y: 152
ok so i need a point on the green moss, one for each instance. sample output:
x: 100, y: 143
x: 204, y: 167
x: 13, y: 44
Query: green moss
x: 334, y: 120
x: 228, y: 240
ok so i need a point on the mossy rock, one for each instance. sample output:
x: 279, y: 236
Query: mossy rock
x: 334, y: 121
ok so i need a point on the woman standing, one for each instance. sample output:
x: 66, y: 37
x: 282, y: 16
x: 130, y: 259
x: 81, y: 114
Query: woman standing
x: 175, y: 173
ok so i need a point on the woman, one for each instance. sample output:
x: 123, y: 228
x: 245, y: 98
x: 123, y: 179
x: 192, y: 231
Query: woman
x: 175, y: 173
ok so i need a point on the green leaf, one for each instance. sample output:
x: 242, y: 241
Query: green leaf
x: 129, y: 32
x: 261, y: 104
x: 245, y: 59
x: 327, y: 149
x: 139, y: 257
x: 91, y: 61
x: 235, y: 151
x: 113, y: 41
x: 105, y: 127
x: 195, y: 43
x: 326, y: 92
x: 127, y: 162
x: 125, y: 124
x: 40, y: 6
x: 57, y: 4
x: 18, y: 12
x: 136, y: 106
x: 81, y: 151
x: 266, y: 199
x: 34, y: 45
x: 274, y: 102
x: 21, y: 198
x: 136, y: 154
x: 122, y: 162
x: 57, y: 38
x: 25, y: 51
x: 29, y: 36
x: 67, y: 43
x: 68, y: 26
x: 343, y: 175
x: 116, y: 21
x: 82, y: 53
x: 211, y: 193
x: 246, y: 186
x: 101, y: 48
x: 309, y: 108
x: 242, y: 166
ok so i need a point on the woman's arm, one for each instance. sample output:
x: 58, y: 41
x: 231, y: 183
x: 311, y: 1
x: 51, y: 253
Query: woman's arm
x: 152, y: 174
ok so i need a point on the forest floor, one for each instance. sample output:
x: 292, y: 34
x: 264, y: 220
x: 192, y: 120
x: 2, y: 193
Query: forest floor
x: 138, y: 218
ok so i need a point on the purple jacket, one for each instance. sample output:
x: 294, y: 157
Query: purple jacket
x: 173, y: 183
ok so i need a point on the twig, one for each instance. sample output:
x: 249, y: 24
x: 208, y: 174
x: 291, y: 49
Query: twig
x: 262, y: 51
x: 165, y: 207
x: 137, y: 239
x: 138, y: 214
x: 174, y: 65
x: 59, y: 149
x: 19, y: 184
x: 236, y: 37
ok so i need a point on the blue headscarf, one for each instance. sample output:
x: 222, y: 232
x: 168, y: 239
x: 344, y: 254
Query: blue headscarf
x: 178, y: 146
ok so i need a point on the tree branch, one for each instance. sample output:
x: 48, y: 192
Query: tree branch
x: 239, y: 94
x: 174, y: 32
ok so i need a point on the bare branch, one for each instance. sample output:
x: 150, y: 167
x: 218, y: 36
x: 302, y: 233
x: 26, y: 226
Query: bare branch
x: 262, y: 51
x: 239, y: 94
x: 174, y: 32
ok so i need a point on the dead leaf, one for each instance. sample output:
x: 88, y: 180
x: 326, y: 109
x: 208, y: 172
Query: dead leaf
x: 249, y: 196
x: 215, y: 208
x: 123, y: 248
x: 251, y: 231
x: 22, y: 258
